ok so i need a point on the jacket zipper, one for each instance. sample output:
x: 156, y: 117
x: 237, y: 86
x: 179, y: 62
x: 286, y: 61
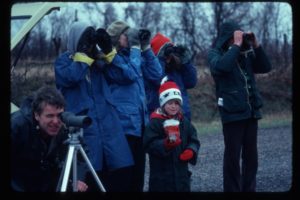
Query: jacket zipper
x: 246, y: 85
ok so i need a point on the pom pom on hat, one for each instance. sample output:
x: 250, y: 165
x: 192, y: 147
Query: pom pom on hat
x: 169, y: 90
x: 158, y: 41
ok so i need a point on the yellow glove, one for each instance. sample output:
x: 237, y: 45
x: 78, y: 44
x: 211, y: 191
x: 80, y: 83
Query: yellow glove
x: 81, y: 57
x: 110, y: 56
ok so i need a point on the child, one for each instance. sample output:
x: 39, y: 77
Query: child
x: 171, y: 142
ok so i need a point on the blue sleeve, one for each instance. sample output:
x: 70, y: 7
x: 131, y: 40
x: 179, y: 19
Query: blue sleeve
x: 68, y: 72
x: 152, y: 70
x: 189, y: 75
x: 122, y: 69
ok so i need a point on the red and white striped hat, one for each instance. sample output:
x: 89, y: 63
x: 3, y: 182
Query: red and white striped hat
x: 169, y: 90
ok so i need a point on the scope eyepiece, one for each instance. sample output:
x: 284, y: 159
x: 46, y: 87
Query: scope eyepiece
x: 70, y: 119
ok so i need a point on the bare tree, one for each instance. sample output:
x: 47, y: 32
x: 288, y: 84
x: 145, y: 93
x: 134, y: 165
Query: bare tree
x: 286, y: 52
x: 109, y: 14
x: 94, y: 9
x: 56, y: 25
x: 238, y: 12
x: 59, y: 25
x: 269, y: 31
x: 150, y: 14
x: 145, y: 15
x: 193, y: 36
x: 265, y: 30
x: 131, y: 12
x: 101, y: 14
x: 56, y: 42
x: 38, y: 43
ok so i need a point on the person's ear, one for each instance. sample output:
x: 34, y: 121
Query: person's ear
x: 36, y: 116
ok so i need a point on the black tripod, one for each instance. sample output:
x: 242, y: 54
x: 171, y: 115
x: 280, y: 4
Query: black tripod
x: 74, y: 146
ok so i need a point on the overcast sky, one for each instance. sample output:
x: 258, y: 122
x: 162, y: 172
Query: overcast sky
x: 83, y: 15
x: 285, y: 11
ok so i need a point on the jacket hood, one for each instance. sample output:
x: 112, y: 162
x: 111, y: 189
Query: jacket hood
x: 26, y: 107
x: 226, y: 32
x: 75, y: 33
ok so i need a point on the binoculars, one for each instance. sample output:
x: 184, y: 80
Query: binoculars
x: 248, y: 40
x: 144, y: 34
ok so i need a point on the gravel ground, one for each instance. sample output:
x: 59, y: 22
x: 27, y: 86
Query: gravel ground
x: 274, y: 164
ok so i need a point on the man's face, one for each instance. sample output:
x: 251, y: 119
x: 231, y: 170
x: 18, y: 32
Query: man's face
x: 49, y: 120
x: 123, y: 41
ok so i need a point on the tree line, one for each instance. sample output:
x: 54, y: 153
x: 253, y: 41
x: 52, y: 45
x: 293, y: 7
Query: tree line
x: 195, y: 24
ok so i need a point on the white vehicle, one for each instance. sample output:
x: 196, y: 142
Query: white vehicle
x: 24, y: 16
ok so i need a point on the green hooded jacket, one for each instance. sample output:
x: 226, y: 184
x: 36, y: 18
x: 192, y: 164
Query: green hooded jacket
x: 233, y: 73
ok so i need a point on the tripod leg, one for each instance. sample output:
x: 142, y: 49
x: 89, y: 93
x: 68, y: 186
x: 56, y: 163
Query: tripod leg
x: 67, y: 168
x: 61, y: 176
x: 92, y: 169
x: 75, y: 171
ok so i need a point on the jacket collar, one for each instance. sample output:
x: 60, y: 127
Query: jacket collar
x: 160, y: 114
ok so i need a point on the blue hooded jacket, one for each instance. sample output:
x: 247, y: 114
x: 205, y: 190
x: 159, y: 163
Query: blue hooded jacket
x: 86, y: 92
x: 126, y: 75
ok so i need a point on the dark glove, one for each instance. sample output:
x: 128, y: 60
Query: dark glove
x: 103, y: 40
x: 167, y: 50
x: 95, y: 53
x: 144, y: 35
x: 183, y: 53
x: 133, y: 38
x: 186, y: 155
x: 86, y: 41
x: 169, y: 144
x: 174, y: 63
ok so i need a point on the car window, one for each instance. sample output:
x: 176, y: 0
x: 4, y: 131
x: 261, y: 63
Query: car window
x: 16, y: 24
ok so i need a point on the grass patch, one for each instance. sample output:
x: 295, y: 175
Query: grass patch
x: 204, y: 128
x: 276, y: 120
x: 268, y: 121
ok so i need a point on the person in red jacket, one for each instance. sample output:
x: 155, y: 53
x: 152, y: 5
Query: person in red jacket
x: 171, y: 142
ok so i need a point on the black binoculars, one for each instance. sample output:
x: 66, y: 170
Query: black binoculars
x: 144, y: 34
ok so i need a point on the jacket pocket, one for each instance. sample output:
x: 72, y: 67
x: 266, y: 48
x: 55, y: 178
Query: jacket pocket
x: 234, y: 101
x: 130, y: 118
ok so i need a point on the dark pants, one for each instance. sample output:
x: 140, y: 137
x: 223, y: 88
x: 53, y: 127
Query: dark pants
x: 136, y: 146
x: 113, y: 180
x: 240, y: 138
x: 127, y: 179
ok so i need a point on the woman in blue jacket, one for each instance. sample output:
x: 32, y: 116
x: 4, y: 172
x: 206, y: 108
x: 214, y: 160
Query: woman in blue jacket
x: 80, y: 79
x: 131, y: 65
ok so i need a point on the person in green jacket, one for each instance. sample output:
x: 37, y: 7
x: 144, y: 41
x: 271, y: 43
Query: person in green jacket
x: 171, y: 142
x: 234, y: 60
